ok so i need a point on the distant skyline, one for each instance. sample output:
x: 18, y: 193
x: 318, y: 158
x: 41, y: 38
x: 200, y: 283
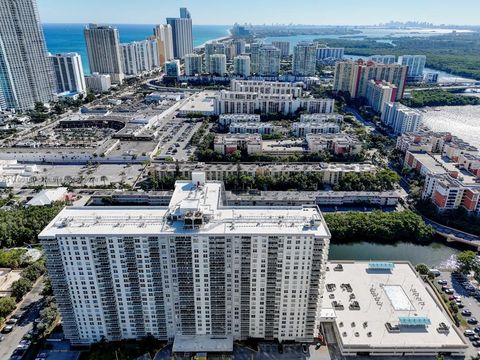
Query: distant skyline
x: 224, y: 12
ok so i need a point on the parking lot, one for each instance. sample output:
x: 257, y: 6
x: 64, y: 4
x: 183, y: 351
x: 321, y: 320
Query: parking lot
x: 176, y: 137
x: 467, y: 294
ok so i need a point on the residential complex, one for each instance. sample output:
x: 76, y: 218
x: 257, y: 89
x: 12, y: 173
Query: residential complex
x: 193, y: 65
x: 250, y: 97
x: 104, y: 53
x: 400, y: 118
x: 283, y: 46
x: 379, y: 93
x: 304, y: 59
x: 301, y: 129
x: 353, y: 76
x: 26, y: 74
x: 212, y: 48
x: 69, y: 73
x: 192, y: 268
x: 182, y: 34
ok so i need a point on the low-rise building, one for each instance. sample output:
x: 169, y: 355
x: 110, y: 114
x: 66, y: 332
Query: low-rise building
x: 301, y: 129
x: 98, y: 83
x: 331, y: 173
x: 226, y: 119
x: 385, y: 309
x: 338, y: 144
x: 229, y: 143
x: 13, y: 174
x: 251, y: 128
x: 333, y: 118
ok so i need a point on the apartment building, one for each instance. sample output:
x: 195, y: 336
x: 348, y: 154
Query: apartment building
x: 195, y: 267
x: 353, y: 76
x: 193, y: 65
x: 251, y: 128
x: 301, y: 129
x: 384, y: 59
x: 229, y: 143
x: 337, y: 144
x: 324, y: 53
x: 241, y: 65
x: 68, y: 73
x: 304, y: 59
x: 283, y: 46
x: 400, y: 118
x: 416, y: 66
x: 379, y: 93
x: 226, y: 119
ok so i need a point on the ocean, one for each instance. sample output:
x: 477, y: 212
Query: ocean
x: 69, y: 37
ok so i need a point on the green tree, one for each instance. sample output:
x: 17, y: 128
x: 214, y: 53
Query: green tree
x: 422, y: 269
x: 467, y: 261
x: 20, y: 288
x: 34, y: 271
x: 7, y: 305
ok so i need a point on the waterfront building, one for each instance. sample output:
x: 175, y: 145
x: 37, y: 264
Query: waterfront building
x: 140, y: 56
x: 269, y: 61
x: 163, y: 35
x: 98, y: 83
x: 182, y: 34
x: 212, y: 48
x: 400, y: 118
x: 195, y: 267
x: 172, y: 68
x: 218, y: 64
x: 26, y: 74
x: 283, y: 46
x: 379, y: 93
x: 384, y: 59
x: 241, y: 65
x: 69, y: 73
x: 193, y: 65
x: 416, y: 66
x: 327, y: 53
x: 104, y: 53
x: 304, y: 59
x: 353, y: 76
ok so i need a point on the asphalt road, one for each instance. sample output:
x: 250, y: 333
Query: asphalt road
x: 34, y: 300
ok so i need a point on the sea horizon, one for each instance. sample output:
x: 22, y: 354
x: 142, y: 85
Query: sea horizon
x: 68, y: 37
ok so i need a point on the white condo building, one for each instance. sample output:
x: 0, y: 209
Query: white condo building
x: 324, y: 53
x: 104, y: 53
x: 268, y: 61
x: 416, y: 65
x: 241, y: 65
x: 401, y: 118
x: 26, y: 74
x: 213, y: 48
x: 304, y: 59
x: 69, y: 73
x: 383, y: 59
x: 182, y: 34
x: 283, y: 46
x: 140, y: 56
x: 193, y: 65
x: 195, y: 267
x: 98, y: 83
x: 218, y: 64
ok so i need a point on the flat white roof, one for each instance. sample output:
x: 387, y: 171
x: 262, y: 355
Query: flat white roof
x: 188, y: 200
x: 384, y: 296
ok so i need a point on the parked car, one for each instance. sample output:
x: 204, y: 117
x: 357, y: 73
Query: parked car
x: 466, y: 312
x: 459, y: 304
x: 11, y: 321
x: 305, y: 348
x: 442, y: 282
x: 476, y: 344
x: 468, y: 333
x: 8, y: 329
x: 449, y: 291
x: 472, y: 321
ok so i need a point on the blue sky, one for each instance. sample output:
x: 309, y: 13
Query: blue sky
x: 225, y: 12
